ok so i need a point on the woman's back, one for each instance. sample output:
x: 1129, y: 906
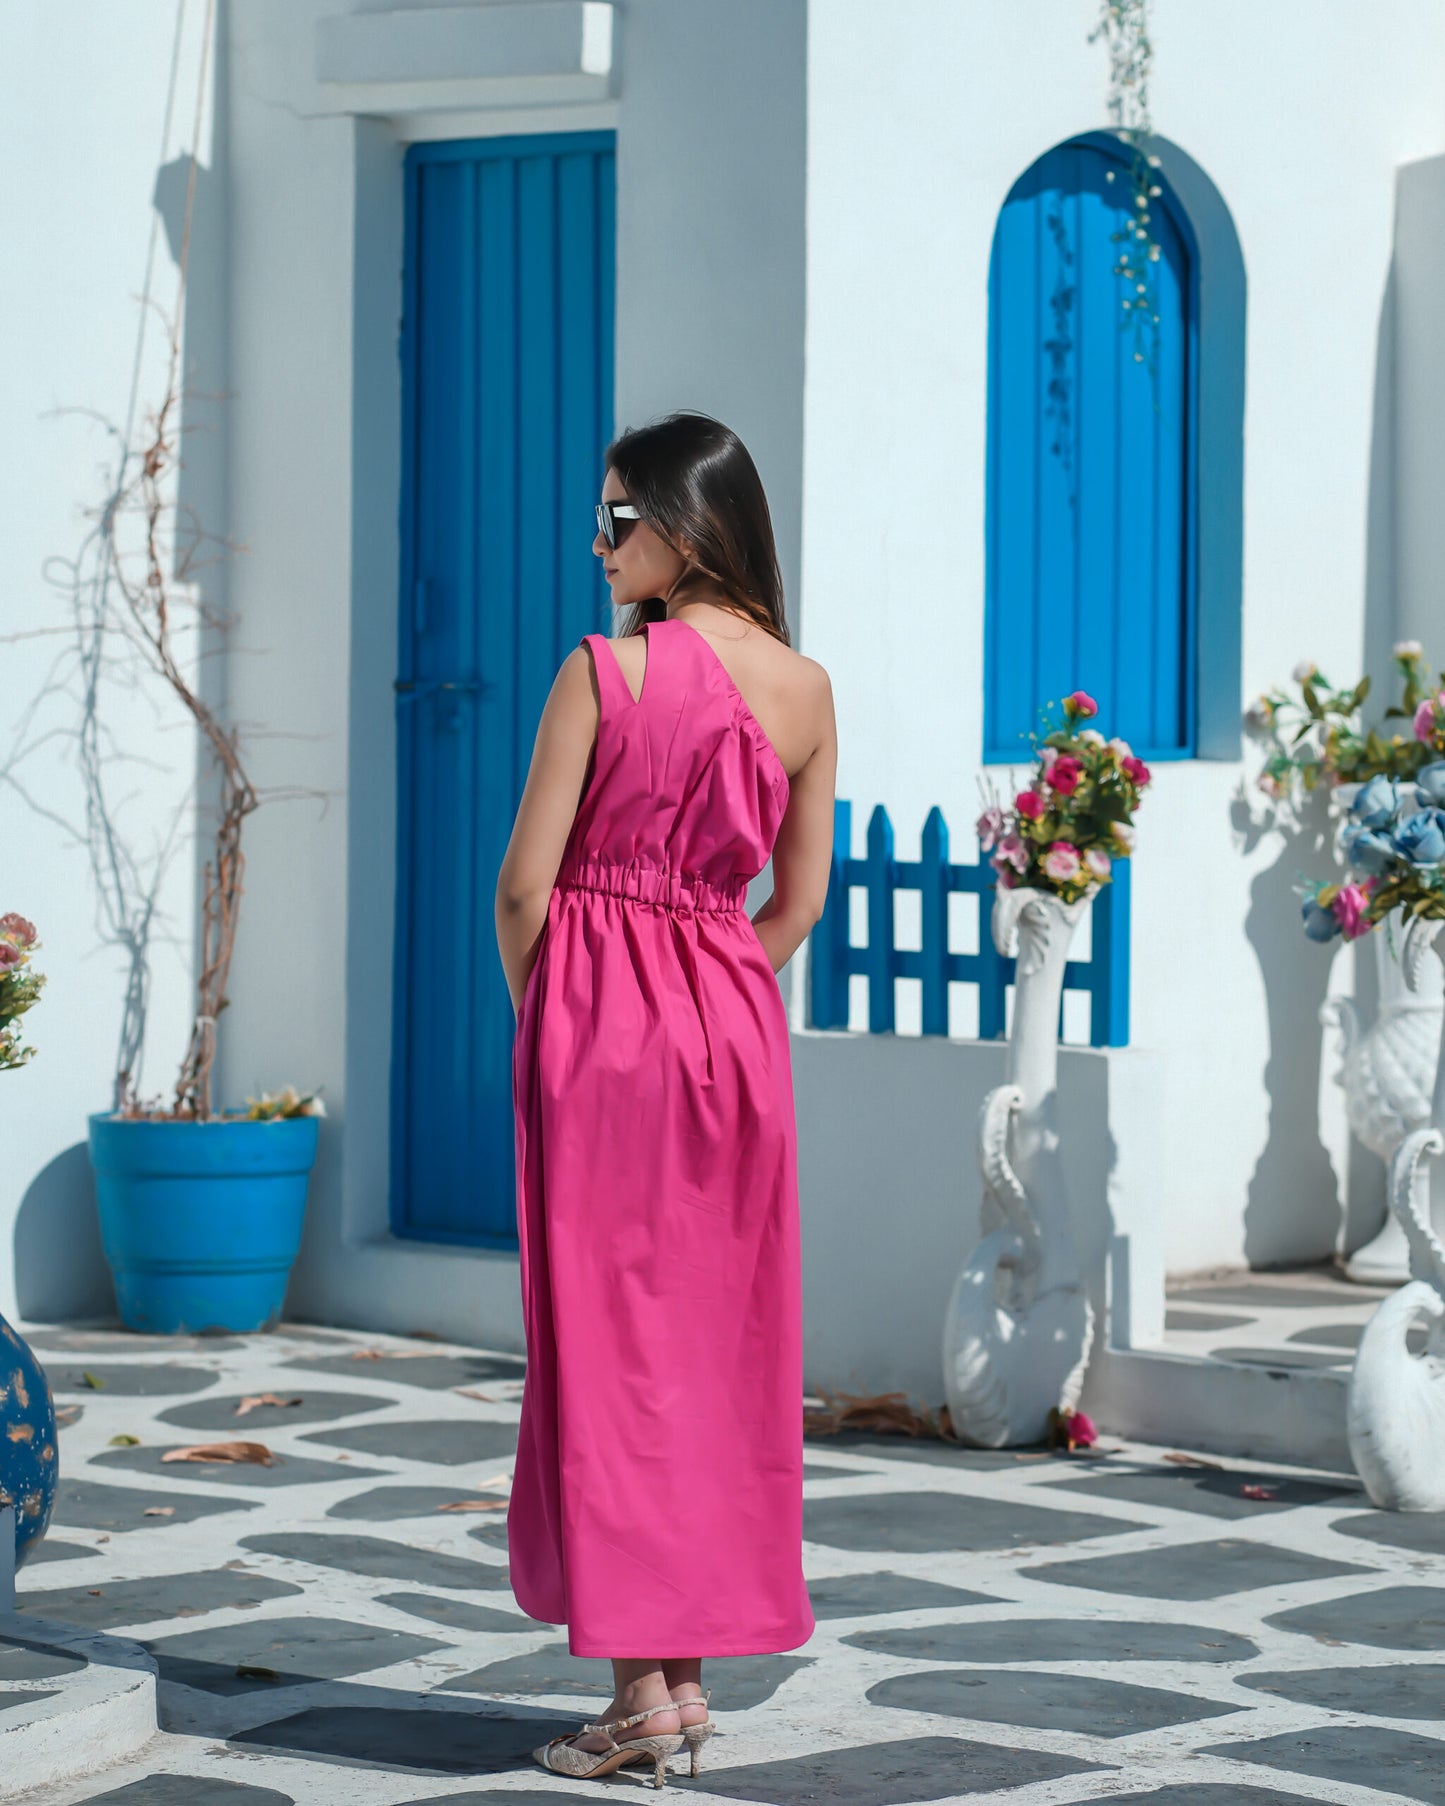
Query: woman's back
x: 657, y: 1500
x: 778, y: 685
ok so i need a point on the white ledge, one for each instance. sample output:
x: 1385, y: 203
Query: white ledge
x: 512, y: 53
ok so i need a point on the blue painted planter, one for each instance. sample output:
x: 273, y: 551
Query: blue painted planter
x: 29, y: 1466
x: 201, y: 1221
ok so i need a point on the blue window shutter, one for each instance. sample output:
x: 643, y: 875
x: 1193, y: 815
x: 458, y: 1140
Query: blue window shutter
x: 507, y: 382
x: 1090, y: 466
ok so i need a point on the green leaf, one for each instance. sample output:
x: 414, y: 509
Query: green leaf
x: 124, y: 1442
x: 93, y: 1380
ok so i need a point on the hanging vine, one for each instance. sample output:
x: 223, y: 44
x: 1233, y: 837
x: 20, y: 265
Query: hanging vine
x: 1124, y: 26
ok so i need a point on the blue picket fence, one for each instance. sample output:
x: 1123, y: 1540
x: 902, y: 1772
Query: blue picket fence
x: 833, y: 959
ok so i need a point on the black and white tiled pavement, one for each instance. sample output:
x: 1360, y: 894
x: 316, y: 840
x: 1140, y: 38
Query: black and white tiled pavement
x: 1307, y: 1317
x: 1021, y: 1627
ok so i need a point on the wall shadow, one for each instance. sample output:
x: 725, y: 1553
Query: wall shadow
x: 1364, y: 1177
x: 1292, y: 1212
x: 60, y: 1267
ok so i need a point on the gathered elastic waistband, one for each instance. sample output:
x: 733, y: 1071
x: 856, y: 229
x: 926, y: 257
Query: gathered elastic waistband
x: 673, y: 889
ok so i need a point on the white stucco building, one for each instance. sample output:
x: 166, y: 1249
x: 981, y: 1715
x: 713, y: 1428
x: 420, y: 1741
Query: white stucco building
x: 787, y: 218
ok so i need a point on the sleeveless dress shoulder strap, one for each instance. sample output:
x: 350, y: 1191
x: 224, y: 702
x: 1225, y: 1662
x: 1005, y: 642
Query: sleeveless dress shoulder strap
x: 610, y: 682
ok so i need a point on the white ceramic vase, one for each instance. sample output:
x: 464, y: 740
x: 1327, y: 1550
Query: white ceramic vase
x: 1019, y: 1326
x: 1395, y: 1411
x: 1388, y: 1076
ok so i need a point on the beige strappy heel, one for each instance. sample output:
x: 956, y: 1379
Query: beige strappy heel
x: 696, y: 1735
x: 561, y: 1757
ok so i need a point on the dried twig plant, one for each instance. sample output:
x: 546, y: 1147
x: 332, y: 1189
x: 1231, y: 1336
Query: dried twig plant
x: 140, y: 570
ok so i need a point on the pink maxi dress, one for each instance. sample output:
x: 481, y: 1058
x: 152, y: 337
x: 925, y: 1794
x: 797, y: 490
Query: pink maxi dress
x: 656, y: 1505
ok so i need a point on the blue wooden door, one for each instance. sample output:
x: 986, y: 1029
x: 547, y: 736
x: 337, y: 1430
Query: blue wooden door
x: 506, y: 353
x: 1090, y: 578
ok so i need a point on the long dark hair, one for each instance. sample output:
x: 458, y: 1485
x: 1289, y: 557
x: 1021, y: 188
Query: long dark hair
x: 693, y: 479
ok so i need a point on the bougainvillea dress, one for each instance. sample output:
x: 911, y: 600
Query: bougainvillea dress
x: 656, y: 1507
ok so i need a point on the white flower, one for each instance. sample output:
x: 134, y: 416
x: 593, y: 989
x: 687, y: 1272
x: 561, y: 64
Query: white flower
x: 1304, y: 670
x: 1098, y: 862
x: 1407, y: 649
x: 1121, y: 749
x: 1092, y: 737
x: 1123, y: 834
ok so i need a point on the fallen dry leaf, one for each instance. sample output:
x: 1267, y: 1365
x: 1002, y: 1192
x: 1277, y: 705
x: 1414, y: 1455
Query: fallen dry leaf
x: 224, y: 1451
x: 159, y: 1511
x: 1258, y: 1492
x: 124, y: 1442
x: 425, y: 1335
x: 390, y: 1354
x: 67, y: 1414
x: 885, y: 1411
x: 474, y: 1505
x: 255, y: 1672
x: 471, y: 1392
x: 93, y: 1380
x: 251, y: 1401
x: 1193, y: 1461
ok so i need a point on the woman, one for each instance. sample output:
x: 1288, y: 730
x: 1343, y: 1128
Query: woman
x: 656, y: 1507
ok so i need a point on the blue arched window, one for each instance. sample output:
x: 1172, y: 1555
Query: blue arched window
x: 1092, y: 463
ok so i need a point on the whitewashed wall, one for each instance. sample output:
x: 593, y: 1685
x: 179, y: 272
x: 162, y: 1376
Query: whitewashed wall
x: 921, y: 116
x: 915, y: 116
x: 87, y: 154
x: 710, y: 143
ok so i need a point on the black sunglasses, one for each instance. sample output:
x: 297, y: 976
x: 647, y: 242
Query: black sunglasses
x: 608, y: 515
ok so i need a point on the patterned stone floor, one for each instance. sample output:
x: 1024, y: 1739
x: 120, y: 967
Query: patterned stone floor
x: 1019, y: 1627
x: 1308, y: 1317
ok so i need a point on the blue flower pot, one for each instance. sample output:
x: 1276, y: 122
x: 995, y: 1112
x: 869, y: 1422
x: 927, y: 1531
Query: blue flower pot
x: 201, y: 1221
x: 29, y: 1466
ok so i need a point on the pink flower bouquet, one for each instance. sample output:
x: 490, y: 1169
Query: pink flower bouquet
x: 1065, y: 830
x: 19, y: 986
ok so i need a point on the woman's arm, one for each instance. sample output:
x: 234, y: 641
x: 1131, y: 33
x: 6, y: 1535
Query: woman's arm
x: 566, y: 735
x: 803, y: 852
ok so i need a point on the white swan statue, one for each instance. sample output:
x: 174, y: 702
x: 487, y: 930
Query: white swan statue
x: 1019, y: 1325
x: 1395, y: 1409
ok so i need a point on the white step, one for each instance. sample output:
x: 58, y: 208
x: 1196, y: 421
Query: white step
x: 91, y: 1701
x: 1248, y: 1411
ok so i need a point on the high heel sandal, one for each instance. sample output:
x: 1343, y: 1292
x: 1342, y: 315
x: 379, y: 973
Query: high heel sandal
x: 696, y: 1735
x: 561, y: 1757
